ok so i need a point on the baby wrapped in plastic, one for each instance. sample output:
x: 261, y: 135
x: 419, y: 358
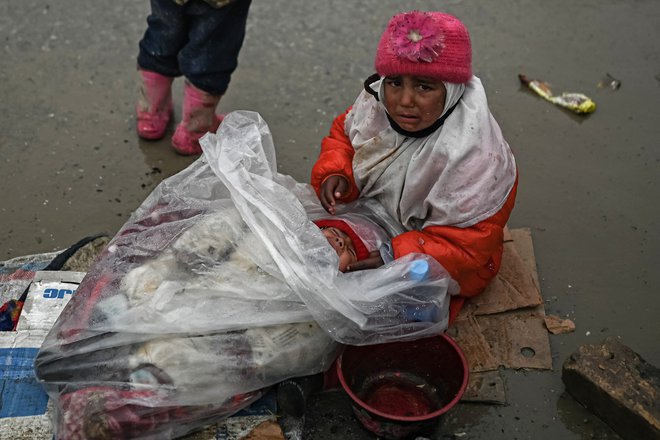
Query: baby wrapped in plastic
x: 224, y: 282
x: 207, y: 248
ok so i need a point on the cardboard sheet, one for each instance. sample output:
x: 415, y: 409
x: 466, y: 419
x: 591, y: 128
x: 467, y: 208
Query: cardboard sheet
x: 516, y: 285
x: 469, y: 336
x: 486, y: 387
x: 518, y: 339
x: 504, y: 327
x: 522, y: 241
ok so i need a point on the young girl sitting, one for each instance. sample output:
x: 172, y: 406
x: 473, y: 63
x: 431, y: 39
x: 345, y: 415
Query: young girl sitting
x: 422, y: 141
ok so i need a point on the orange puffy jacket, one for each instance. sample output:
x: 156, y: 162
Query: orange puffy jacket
x: 471, y: 255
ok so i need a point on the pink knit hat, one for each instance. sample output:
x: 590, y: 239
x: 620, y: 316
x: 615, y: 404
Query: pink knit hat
x: 431, y: 44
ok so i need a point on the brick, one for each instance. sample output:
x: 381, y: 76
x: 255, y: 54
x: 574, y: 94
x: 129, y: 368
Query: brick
x: 617, y: 385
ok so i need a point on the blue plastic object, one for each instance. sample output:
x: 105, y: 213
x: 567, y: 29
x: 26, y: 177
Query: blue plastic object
x: 428, y: 312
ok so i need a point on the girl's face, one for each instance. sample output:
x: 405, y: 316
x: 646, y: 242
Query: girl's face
x: 414, y: 102
x: 343, y: 245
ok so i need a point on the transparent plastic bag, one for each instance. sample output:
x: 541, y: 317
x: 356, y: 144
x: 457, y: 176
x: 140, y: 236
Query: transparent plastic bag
x: 219, y: 286
x: 356, y: 308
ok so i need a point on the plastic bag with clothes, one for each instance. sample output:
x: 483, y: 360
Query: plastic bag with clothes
x: 219, y: 286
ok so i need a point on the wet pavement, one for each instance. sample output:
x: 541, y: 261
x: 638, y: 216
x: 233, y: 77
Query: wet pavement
x: 71, y: 164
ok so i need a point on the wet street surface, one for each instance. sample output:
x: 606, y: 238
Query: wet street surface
x: 71, y: 164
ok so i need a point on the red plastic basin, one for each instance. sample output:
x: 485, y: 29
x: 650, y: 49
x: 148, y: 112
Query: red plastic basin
x: 400, y: 388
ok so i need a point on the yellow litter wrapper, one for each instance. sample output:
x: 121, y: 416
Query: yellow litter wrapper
x: 576, y: 102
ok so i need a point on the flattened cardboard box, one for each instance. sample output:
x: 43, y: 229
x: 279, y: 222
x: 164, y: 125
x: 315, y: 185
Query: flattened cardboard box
x: 504, y: 327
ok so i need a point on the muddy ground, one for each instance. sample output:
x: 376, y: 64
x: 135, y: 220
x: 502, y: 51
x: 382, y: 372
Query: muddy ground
x: 71, y: 164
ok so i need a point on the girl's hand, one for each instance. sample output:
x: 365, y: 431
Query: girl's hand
x: 373, y: 261
x: 333, y: 188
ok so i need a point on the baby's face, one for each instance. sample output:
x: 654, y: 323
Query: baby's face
x: 343, y: 245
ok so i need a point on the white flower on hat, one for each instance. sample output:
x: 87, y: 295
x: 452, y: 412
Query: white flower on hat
x: 416, y: 37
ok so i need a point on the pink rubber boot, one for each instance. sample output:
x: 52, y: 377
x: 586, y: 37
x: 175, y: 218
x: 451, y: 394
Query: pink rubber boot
x: 154, y: 106
x: 198, y: 118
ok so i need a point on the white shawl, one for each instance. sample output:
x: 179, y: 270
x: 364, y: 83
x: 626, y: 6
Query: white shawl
x: 458, y: 175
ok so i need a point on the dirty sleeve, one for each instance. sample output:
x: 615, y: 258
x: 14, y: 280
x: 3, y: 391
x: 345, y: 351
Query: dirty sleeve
x: 336, y: 158
x: 471, y: 255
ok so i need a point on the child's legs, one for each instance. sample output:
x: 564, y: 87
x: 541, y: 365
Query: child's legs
x: 214, y: 40
x: 166, y: 34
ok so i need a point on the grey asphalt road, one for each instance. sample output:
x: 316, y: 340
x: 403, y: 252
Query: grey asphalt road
x: 71, y: 164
